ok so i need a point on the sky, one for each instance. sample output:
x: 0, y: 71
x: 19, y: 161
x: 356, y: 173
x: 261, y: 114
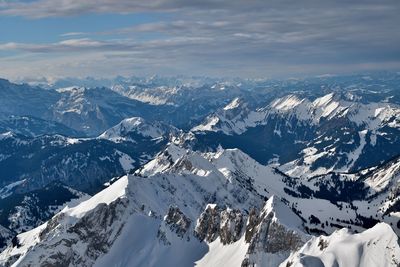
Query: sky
x: 247, y: 38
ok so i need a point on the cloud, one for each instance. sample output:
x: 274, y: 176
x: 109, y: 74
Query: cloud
x: 251, y: 38
x: 70, y: 34
x: 69, y: 45
x: 56, y: 8
x: 86, y: 44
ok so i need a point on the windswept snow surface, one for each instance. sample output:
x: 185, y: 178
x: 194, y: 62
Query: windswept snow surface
x: 376, y: 247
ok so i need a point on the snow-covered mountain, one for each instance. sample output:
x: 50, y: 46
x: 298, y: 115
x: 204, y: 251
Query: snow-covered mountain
x: 31, y: 126
x: 155, y: 96
x: 24, y: 211
x: 377, y: 246
x: 187, y: 207
x: 94, y: 109
x: 75, y: 161
x: 197, y: 208
x: 131, y: 128
x: 92, y: 105
x: 29, y: 188
x: 234, y: 118
x: 263, y: 172
x: 334, y: 132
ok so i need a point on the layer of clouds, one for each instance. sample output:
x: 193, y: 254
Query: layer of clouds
x: 56, y: 8
x: 252, y: 38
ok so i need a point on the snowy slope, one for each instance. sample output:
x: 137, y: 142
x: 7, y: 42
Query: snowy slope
x: 377, y: 246
x: 334, y: 106
x: 333, y: 132
x: 128, y: 128
x: 161, y: 95
x: 188, y: 208
x: 79, y: 161
x: 338, y: 200
x: 234, y: 118
x: 237, y: 118
x: 170, y: 201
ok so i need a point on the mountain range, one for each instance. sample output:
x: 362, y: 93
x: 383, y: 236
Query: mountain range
x: 201, y: 172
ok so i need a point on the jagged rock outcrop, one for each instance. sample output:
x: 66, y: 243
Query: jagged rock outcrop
x: 272, y: 237
x: 177, y: 221
x: 207, y: 227
x: 252, y: 222
x: 270, y: 234
x: 96, y: 231
x: 5, y: 237
x: 231, y: 225
x: 214, y: 222
x: 273, y: 234
x: 168, y: 215
x: 101, y: 228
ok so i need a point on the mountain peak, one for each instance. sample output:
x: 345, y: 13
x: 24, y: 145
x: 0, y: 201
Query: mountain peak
x: 6, y: 135
x: 282, y: 213
x: 324, y: 100
x: 135, y: 126
x: 287, y: 103
x: 377, y: 246
x: 236, y: 102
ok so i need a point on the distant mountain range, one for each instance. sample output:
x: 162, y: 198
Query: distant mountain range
x: 200, y: 171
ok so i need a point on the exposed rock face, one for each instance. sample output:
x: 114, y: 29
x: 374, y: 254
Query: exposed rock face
x: 215, y: 222
x: 183, y: 164
x: 5, y: 237
x: 272, y: 237
x: 177, y: 221
x: 52, y: 224
x: 96, y: 231
x: 252, y: 223
x: 207, y: 227
x: 268, y: 235
x: 101, y: 228
x: 273, y: 232
x: 231, y: 225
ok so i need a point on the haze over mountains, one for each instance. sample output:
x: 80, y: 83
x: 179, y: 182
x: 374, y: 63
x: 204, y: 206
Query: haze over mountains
x: 197, y: 171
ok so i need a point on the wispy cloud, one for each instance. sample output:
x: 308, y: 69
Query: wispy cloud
x: 253, y: 38
x: 55, y: 8
x: 71, y: 34
x: 86, y: 44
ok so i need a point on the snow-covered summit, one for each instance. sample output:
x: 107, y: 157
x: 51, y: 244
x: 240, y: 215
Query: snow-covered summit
x: 204, y: 206
x: 124, y: 130
x: 161, y: 217
x: 328, y: 107
x: 233, y: 104
x: 159, y: 201
x: 282, y: 214
x: 287, y: 103
x: 377, y: 246
x: 161, y: 95
x: 6, y: 135
x: 234, y: 118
